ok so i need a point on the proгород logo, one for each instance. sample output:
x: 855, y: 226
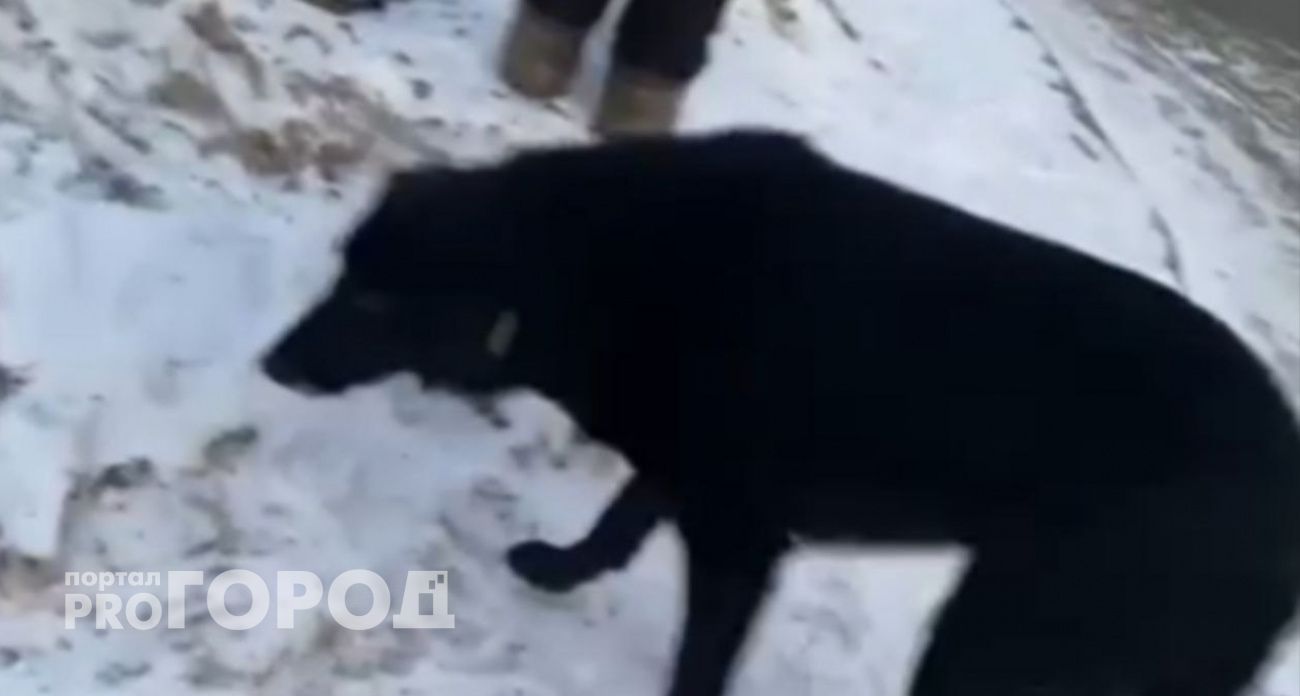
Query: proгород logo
x: 295, y: 591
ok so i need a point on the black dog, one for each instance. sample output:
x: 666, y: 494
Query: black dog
x: 784, y: 348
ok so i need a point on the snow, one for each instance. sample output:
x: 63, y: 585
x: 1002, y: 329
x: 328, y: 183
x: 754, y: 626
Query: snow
x: 173, y: 180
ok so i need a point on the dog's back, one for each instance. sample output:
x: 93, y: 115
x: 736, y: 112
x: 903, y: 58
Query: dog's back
x: 784, y: 347
x: 807, y: 322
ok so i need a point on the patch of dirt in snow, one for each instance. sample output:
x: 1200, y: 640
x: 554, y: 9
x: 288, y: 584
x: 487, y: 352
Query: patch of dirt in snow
x: 99, y: 178
x: 241, y: 86
x: 182, y: 91
x: 209, y: 23
x: 22, y: 14
x: 350, y: 120
x: 10, y: 382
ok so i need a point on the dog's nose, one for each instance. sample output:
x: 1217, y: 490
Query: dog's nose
x: 281, y: 370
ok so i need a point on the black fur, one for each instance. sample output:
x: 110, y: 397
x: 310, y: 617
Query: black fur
x: 785, y: 349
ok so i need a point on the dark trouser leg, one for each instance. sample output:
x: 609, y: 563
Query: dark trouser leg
x: 610, y: 545
x: 667, y: 38
x: 579, y: 14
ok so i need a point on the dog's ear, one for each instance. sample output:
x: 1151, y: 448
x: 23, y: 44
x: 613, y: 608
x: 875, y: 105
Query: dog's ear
x: 416, y: 193
x: 400, y: 207
x: 407, y: 183
x: 439, y: 229
x: 466, y: 213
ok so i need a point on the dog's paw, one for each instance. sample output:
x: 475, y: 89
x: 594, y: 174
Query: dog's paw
x: 545, y: 566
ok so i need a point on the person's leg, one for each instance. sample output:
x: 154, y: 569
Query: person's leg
x: 662, y: 45
x: 579, y: 14
x: 667, y: 38
x: 544, y: 44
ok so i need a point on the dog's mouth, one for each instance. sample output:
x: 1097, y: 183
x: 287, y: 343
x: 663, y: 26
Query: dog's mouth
x: 287, y: 374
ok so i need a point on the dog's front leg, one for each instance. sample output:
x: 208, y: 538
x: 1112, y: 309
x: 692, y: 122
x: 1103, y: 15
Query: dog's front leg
x: 729, y: 572
x: 610, y: 545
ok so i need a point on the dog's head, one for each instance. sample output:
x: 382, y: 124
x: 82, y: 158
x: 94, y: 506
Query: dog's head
x: 429, y: 285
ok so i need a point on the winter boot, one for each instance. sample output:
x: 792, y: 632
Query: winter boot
x: 638, y: 103
x: 541, y: 54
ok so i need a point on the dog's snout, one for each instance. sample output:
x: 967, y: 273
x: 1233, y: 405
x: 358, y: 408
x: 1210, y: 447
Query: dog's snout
x: 281, y: 370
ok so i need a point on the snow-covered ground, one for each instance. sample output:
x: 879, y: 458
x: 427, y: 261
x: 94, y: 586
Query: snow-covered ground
x: 172, y: 176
